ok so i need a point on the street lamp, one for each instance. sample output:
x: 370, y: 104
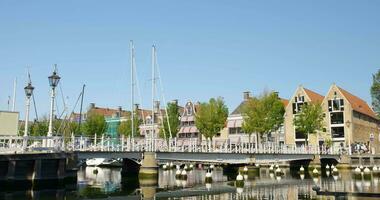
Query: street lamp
x: 53, y: 81
x: 28, y: 92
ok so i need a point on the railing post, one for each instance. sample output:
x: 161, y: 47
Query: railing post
x: 73, y: 141
x: 108, y: 144
x: 95, y: 138
x: 122, y: 143
x: 102, y: 143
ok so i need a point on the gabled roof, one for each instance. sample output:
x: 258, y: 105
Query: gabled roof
x: 358, y: 104
x: 314, y: 97
x: 238, y: 110
x: 285, y: 102
x: 108, y: 112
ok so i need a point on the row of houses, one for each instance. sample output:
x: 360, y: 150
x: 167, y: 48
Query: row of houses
x: 348, y: 120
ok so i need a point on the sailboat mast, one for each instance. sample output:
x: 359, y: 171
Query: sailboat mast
x: 153, y: 87
x: 14, y: 95
x: 132, y: 88
x: 81, y: 107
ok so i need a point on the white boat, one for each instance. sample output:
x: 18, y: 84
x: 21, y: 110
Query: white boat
x: 94, y: 161
x: 103, y: 162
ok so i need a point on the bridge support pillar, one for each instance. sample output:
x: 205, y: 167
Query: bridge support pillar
x: 149, y: 167
x: 315, y: 163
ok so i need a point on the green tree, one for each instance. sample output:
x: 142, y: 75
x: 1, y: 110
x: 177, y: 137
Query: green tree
x: 375, y: 92
x: 173, y: 115
x: 125, y: 127
x: 211, y: 117
x: 263, y: 115
x: 39, y: 128
x: 95, y: 124
x: 309, y: 120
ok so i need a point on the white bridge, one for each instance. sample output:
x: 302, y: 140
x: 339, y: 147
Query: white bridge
x: 188, y: 150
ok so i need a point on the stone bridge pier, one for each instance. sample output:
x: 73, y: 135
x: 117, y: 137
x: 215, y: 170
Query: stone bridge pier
x: 146, y: 169
x: 36, y: 170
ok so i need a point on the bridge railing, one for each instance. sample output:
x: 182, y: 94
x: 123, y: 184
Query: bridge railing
x: 12, y: 144
x: 124, y: 144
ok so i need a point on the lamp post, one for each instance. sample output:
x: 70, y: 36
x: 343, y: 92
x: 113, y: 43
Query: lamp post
x: 348, y: 123
x: 28, y: 92
x: 53, y: 81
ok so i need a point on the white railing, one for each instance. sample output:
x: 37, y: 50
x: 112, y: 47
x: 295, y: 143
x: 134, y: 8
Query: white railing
x: 12, y: 144
x: 122, y: 144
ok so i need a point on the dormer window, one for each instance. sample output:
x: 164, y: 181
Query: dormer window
x: 298, y: 103
x: 336, y: 105
x: 189, y: 111
x: 148, y: 120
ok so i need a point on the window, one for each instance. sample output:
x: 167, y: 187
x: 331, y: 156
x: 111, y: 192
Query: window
x: 236, y: 130
x: 300, y: 135
x: 299, y: 102
x: 189, y: 110
x: 336, y: 105
x: 337, y: 132
x: 336, y: 118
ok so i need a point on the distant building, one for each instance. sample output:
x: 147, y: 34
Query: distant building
x: 113, y: 117
x: 348, y: 119
x: 300, y: 97
x: 236, y: 119
x: 9, y: 123
x: 187, y: 122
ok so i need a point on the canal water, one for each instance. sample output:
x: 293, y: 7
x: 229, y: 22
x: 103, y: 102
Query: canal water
x: 107, y: 183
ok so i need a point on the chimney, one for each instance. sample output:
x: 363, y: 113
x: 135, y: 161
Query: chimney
x: 246, y: 95
x: 136, y: 107
x: 175, y: 101
x: 92, y: 106
x: 119, y: 111
x: 156, y: 106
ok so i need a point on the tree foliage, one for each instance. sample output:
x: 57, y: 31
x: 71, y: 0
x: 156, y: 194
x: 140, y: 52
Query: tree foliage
x: 375, y: 92
x: 211, y: 117
x: 263, y: 114
x: 95, y: 124
x: 173, y: 115
x: 125, y: 127
x: 309, y: 120
x: 39, y: 128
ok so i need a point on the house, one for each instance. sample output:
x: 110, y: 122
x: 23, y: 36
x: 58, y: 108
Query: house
x: 113, y: 117
x: 300, y: 97
x: 188, y: 130
x: 235, y: 122
x: 148, y: 128
x: 349, y: 119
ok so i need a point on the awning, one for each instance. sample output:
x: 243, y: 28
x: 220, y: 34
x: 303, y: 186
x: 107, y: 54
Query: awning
x: 234, y: 123
x: 184, y: 119
x: 239, y: 123
x: 231, y: 123
x: 186, y: 129
x: 194, y: 129
x: 181, y: 130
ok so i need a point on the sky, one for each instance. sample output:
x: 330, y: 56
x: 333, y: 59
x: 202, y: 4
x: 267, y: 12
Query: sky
x: 205, y: 48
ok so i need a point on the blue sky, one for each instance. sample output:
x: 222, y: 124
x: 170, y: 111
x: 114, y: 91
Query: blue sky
x: 205, y: 48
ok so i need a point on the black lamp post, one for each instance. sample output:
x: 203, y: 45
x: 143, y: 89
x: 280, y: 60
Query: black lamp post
x: 53, y: 81
x: 28, y: 92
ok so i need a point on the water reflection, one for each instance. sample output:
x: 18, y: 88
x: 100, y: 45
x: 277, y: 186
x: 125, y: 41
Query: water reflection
x: 94, y: 182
